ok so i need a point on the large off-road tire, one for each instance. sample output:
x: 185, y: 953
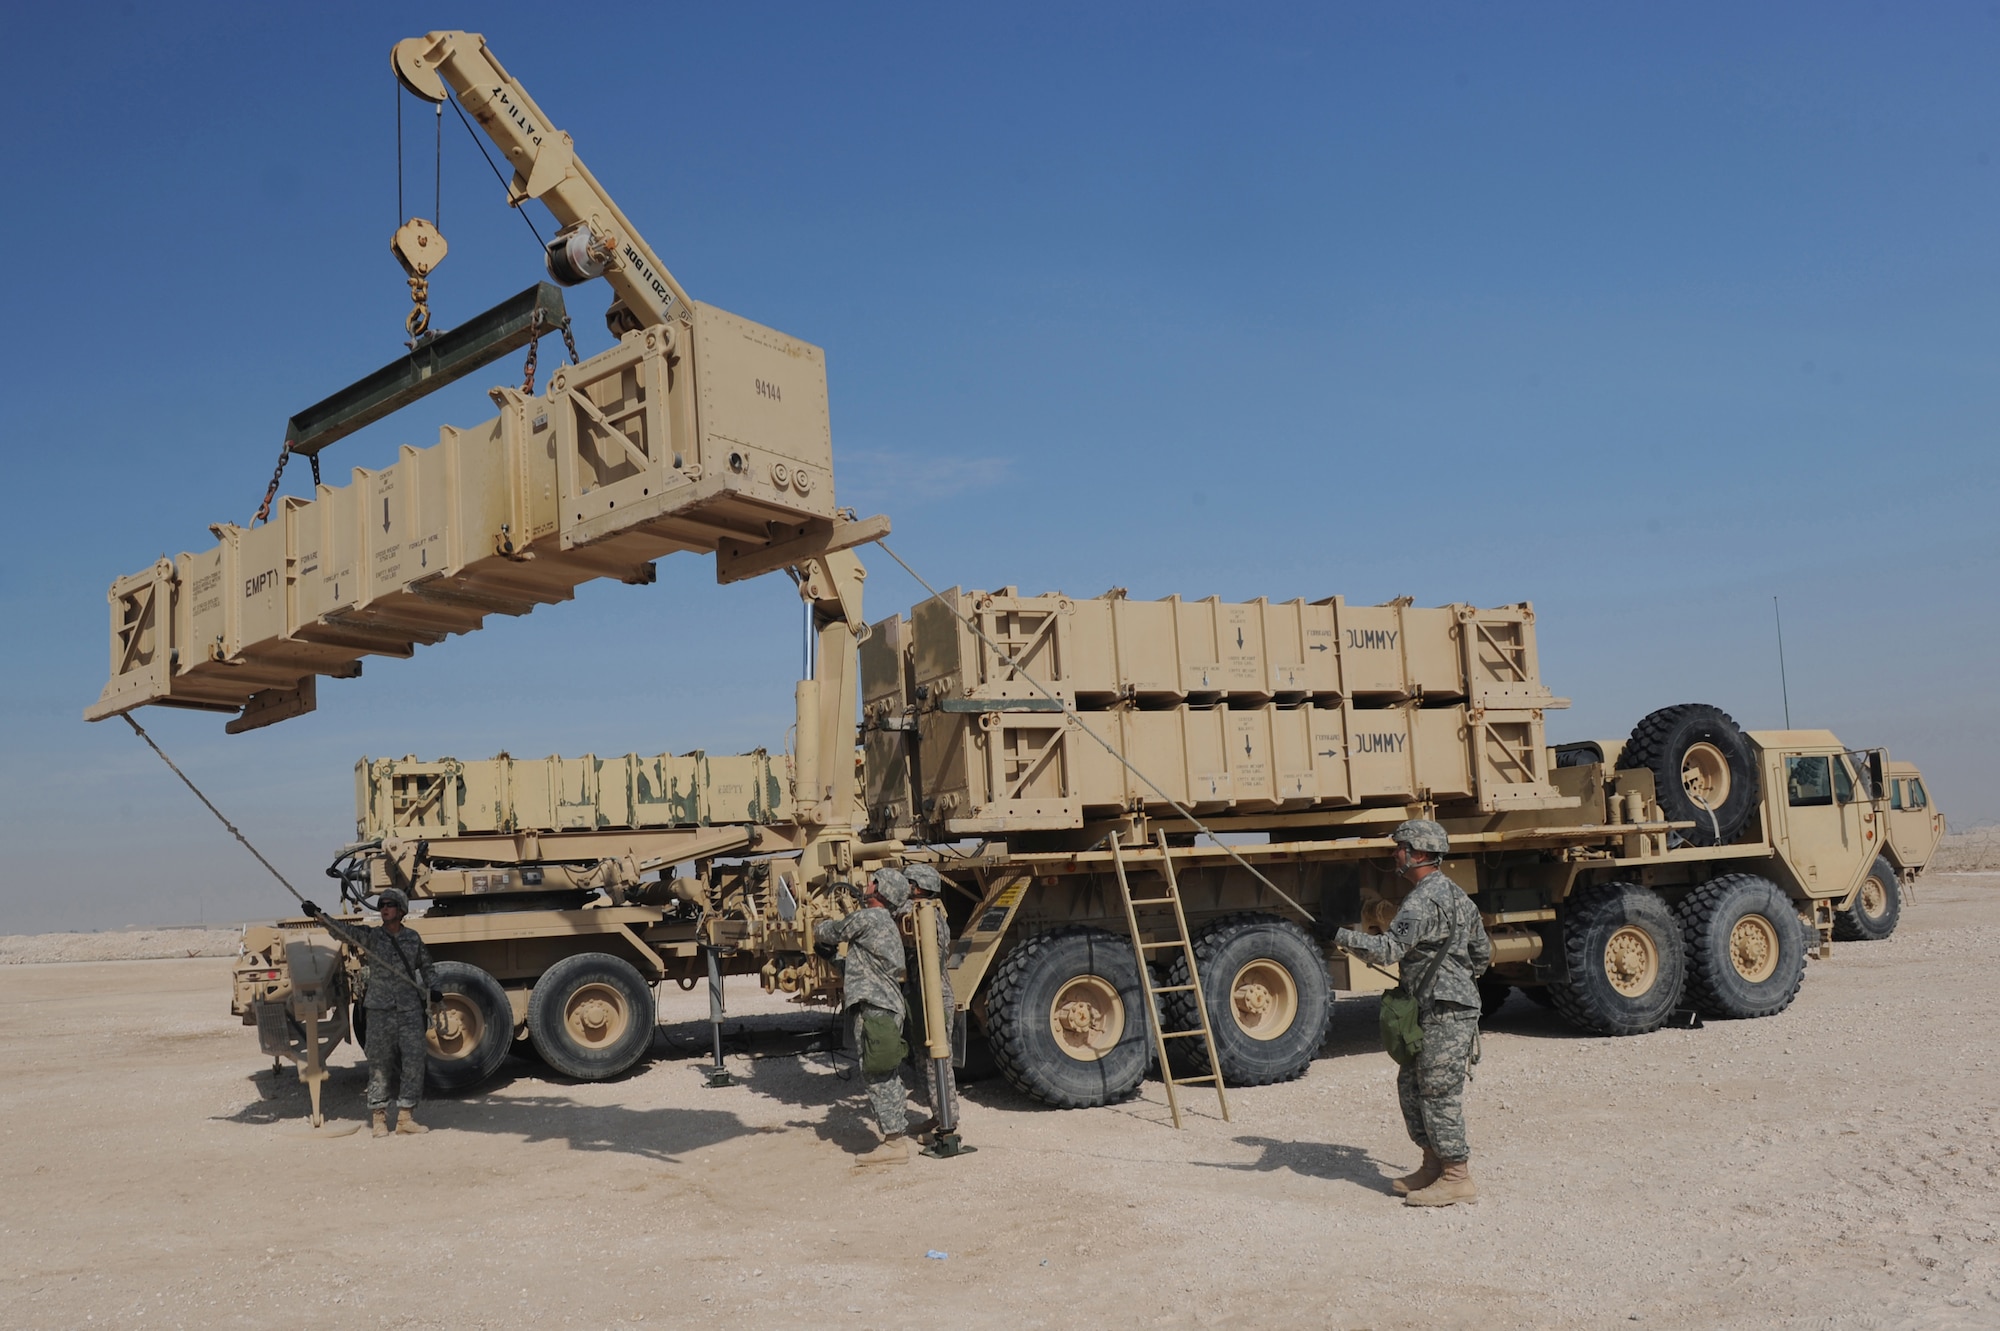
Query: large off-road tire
x: 1702, y: 766
x: 1067, y: 1019
x: 1625, y: 958
x: 591, y: 1016
x: 477, y: 1025
x: 1746, y: 953
x: 1876, y: 907
x: 1269, y: 999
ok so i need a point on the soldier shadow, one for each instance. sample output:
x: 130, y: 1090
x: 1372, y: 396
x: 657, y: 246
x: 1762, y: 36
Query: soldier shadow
x: 664, y: 1135
x: 1332, y: 1161
x: 818, y: 1074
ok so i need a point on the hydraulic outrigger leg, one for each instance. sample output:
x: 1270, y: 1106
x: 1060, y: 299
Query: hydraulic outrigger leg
x: 718, y: 1075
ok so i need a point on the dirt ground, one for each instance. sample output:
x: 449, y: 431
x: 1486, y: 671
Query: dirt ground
x: 1834, y: 1167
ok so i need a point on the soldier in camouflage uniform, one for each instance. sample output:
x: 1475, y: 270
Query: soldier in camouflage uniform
x: 1436, y: 916
x: 872, y: 986
x: 926, y: 882
x: 397, y: 977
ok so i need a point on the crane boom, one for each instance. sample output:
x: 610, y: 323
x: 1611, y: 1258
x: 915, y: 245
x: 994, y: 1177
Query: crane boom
x: 596, y: 239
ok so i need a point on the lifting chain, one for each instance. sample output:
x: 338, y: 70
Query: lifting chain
x: 419, y: 320
x: 535, y: 327
x: 278, y: 474
x: 271, y: 490
x: 534, y: 347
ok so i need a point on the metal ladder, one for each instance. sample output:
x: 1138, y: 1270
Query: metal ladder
x: 1140, y: 948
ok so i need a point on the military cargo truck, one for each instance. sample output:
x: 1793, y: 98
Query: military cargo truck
x: 1691, y: 865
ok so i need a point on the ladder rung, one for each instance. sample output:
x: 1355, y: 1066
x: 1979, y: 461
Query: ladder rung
x: 1174, y: 989
x: 1179, y: 1035
x: 1171, y: 942
x: 1194, y: 1081
x: 1152, y: 901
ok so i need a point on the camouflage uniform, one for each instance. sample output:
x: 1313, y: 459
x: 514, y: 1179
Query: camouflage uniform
x: 1436, y: 914
x: 872, y: 982
x: 927, y: 878
x: 397, y: 1021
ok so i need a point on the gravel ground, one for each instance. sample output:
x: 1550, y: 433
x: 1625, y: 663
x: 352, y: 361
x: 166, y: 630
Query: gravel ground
x: 1974, y: 850
x: 124, y: 945
x: 1835, y: 1167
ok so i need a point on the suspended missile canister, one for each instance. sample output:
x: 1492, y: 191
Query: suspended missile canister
x: 708, y: 436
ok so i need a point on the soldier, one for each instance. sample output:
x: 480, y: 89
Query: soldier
x: 397, y: 975
x: 925, y: 882
x: 872, y: 989
x: 1436, y: 917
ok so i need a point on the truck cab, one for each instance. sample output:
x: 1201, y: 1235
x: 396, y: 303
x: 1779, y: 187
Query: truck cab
x: 1915, y: 825
x: 1828, y: 820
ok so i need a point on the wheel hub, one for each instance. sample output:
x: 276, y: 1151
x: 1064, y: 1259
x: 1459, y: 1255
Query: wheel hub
x: 1753, y: 948
x: 1874, y: 897
x: 457, y: 1027
x: 1705, y: 775
x: 1079, y: 1018
x: 1264, y: 999
x: 1631, y: 961
x: 1087, y: 1017
x: 595, y: 1015
x: 1254, y: 1000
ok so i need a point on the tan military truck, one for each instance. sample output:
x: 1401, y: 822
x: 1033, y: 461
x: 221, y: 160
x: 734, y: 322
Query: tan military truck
x: 1115, y: 790
x: 1691, y: 865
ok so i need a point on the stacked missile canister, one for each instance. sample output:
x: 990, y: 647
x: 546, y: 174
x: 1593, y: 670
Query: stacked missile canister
x: 450, y: 797
x: 983, y: 710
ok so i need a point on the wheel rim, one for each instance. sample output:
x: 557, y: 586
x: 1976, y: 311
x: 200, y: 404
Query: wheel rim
x: 457, y: 1028
x: 1874, y: 898
x: 1087, y: 1017
x: 1753, y: 948
x: 1631, y: 961
x: 596, y: 1015
x: 1705, y: 775
x: 1264, y: 999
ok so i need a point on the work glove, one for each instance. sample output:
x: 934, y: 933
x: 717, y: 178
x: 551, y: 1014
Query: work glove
x: 437, y: 997
x: 311, y: 909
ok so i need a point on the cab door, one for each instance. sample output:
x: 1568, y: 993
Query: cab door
x: 1823, y: 834
x: 1914, y: 826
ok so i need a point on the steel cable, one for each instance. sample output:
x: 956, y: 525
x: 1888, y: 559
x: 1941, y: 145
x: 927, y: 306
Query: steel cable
x: 331, y: 926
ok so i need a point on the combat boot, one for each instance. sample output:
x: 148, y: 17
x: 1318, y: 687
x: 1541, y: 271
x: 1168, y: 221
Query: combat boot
x: 381, y: 1123
x: 894, y: 1150
x: 1453, y: 1185
x: 407, y: 1125
x: 1427, y: 1174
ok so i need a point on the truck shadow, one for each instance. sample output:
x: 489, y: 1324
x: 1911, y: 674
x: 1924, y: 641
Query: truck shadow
x: 1331, y: 1161
x: 664, y: 1135
x: 1356, y: 1026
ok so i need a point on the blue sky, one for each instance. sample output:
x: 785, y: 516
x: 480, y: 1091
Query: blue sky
x: 1647, y: 315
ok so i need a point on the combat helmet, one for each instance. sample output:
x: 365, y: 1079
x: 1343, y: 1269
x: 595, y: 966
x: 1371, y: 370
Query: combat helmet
x: 1421, y: 834
x: 892, y: 887
x: 393, y: 896
x: 923, y: 878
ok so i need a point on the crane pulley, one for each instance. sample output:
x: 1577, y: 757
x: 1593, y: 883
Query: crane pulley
x: 596, y: 239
